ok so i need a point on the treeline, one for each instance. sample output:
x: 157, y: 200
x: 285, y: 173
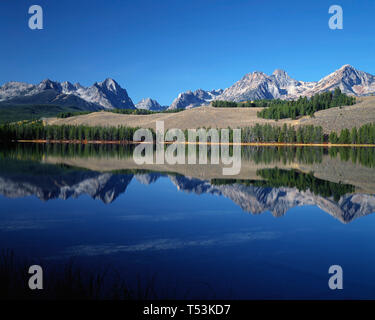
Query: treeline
x: 280, y: 109
x: 37, y: 131
x: 263, y: 103
x: 118, y: 111
x: 284, y: 134
x: 69, y: 114
x: 259, y: 133
x: 131, y: 111
x: 142, y: 111
x: 231, y: 104
x: 308, y: 134
x: 364, y: 135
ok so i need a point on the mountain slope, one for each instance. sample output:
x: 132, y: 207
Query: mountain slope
x: 13, y: 113
x: 52, y: 97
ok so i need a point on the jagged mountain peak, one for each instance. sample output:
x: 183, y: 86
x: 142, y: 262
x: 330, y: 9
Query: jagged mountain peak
x: 47, y: 84
x: 147, y: 100
x: 149, y: 104
x: 191, y: 99
x: 345, y: 71
x: 109, y: 84
x: 347, y: 67
x: 78, y: 85
x: 348, y: 79
x: 108, y: 94
x: 254, y: 75
x: 282, y: 74
x: 67, y: 86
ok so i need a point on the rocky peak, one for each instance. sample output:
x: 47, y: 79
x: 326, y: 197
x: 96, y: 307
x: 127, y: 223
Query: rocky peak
x: 280, y: 73
x: 47, y: 84
x: 348, y: 79
x: 190, y: 99
x: 67, y: 86
x: 149, y: 104
x: 110, y: 84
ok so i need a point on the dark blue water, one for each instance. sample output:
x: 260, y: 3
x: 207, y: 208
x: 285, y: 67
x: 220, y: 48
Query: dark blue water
x: 195, y: 238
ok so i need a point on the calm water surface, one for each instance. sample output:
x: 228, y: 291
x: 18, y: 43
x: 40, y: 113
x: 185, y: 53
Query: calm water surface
x: 271, y: 232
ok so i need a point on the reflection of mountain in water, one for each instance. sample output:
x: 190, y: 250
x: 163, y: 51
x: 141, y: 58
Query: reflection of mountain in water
x: 148, y: 178
x: 106, y: 187
x: 278, y: 201
x: 25, y: 178
x: 63, y: 182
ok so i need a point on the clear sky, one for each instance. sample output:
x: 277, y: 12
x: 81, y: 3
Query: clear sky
x: 159, y: 48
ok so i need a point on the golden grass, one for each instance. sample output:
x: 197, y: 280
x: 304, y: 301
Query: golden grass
x: 334, y: 119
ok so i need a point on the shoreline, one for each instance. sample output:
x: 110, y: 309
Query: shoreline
x: 255, y: 144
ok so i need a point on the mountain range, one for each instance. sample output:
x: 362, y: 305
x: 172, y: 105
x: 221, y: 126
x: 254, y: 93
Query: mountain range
x: 108, y: 94
x: 101, y: 95
x: 279, y: 85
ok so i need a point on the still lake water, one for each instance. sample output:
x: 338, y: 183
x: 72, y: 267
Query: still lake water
x: 271, y: 232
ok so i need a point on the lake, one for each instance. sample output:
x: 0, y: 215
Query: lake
x: 271, y: 232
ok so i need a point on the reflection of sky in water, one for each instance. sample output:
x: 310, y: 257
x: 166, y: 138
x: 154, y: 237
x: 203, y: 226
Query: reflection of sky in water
x: 190, y: 239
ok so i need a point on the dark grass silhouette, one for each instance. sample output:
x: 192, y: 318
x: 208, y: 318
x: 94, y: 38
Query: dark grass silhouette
x: 71, y: 282
x: 68, y: 282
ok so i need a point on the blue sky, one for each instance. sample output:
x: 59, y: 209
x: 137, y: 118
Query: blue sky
x: 158, y: 48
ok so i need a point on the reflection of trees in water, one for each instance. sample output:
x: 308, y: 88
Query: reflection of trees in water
x: 277, y: 178
x: 260, y: 155
x: 37, y: 151
x: 267, y: 155
x: 303, y: 181
x: 363, y: 156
